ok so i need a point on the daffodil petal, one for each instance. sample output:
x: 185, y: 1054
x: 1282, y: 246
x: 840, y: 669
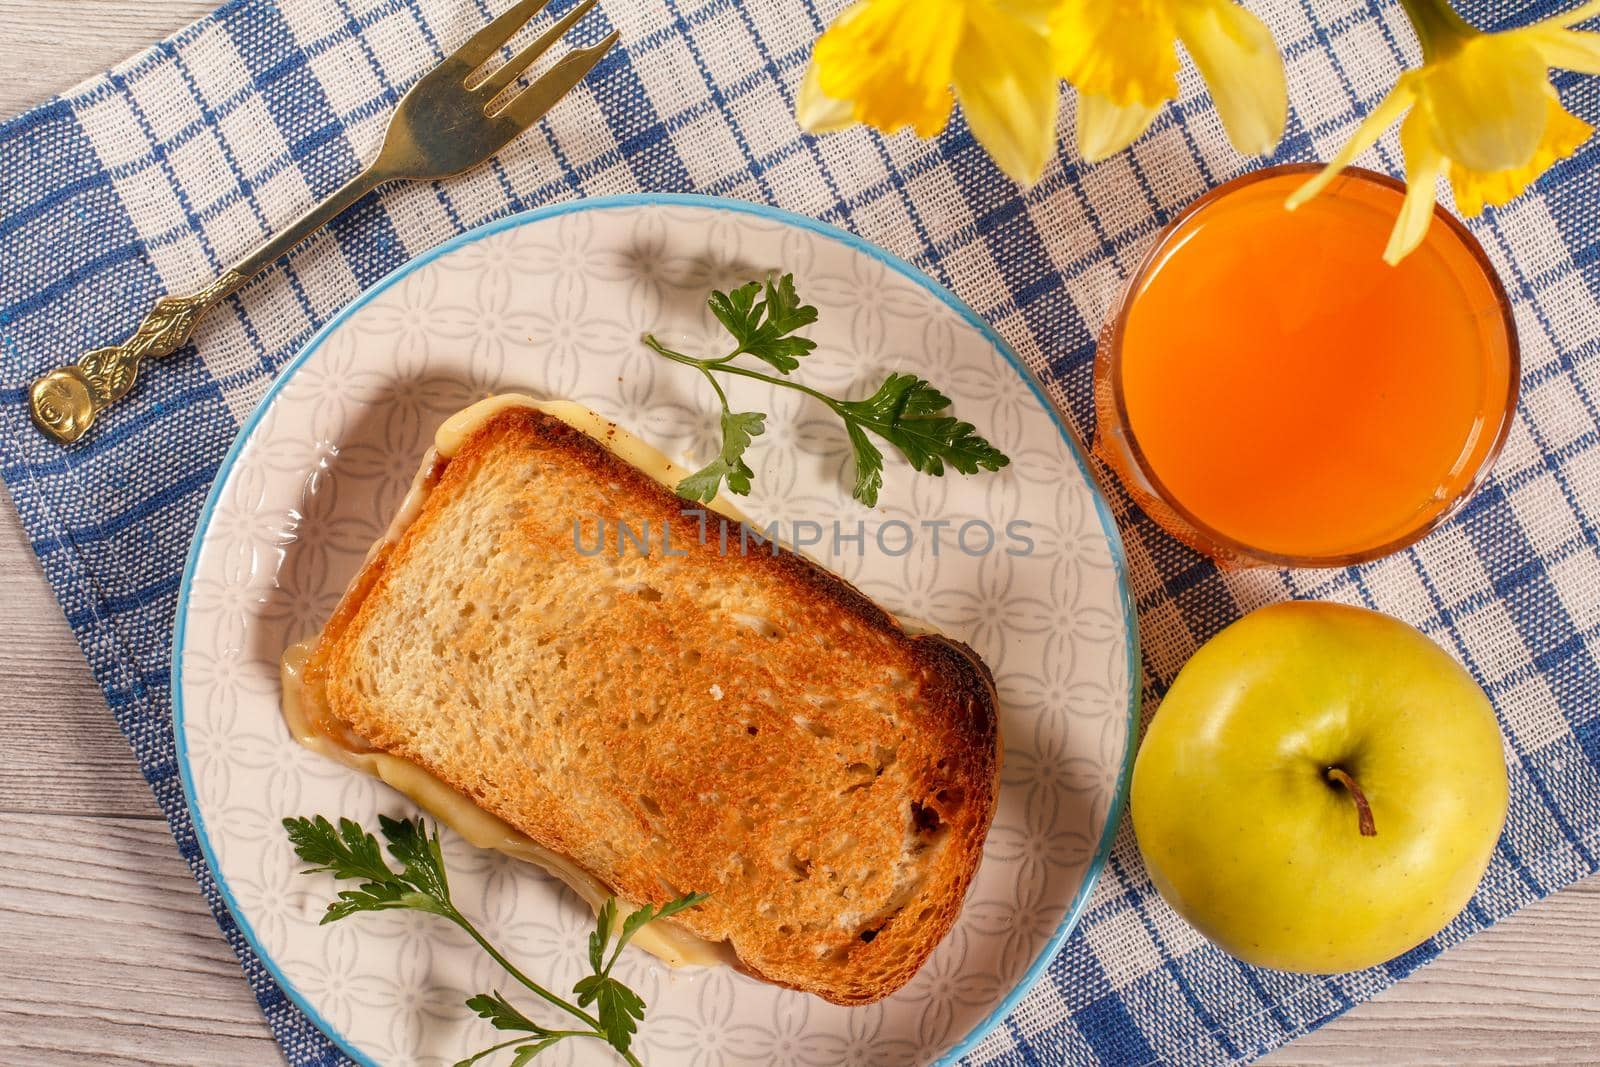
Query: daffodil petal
x: 816, y: 111
x: 1009, y: 92
x: 893, y: 60
x: 1424, y: 164
x: 1581, y: 13
x: 1485, y: 104
x: 1576, y: 50
x: 1036, y: 13
x: 1106, y: 128
x: 1239, y: 60
x: 1563, y: 133
x: 1379, y: 119
x: 1124, y: 50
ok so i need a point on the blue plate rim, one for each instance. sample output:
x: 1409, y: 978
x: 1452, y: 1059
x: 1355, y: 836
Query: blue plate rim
x: 1102, y: 510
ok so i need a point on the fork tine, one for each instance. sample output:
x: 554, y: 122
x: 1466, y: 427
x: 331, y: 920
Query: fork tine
x: 530, y: 105
x: 496, y: 83
x: 487, y: 41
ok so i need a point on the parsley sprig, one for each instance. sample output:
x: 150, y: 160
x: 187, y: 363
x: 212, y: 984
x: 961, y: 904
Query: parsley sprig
x: 906, y: 411
x: 349, y: 853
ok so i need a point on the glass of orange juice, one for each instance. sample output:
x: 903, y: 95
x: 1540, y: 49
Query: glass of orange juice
x: 1275, y: 394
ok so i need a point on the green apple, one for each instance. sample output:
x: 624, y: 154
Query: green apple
x: 1321, y: 789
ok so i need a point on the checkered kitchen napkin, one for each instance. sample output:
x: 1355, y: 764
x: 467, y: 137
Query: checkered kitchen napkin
x: 150, y: 178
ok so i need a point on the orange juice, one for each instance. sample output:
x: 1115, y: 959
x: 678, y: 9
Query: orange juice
x: 1290, y: 398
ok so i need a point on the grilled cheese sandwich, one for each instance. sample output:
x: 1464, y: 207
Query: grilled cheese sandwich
x: 789, y: 904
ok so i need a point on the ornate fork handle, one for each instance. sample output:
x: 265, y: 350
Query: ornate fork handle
x: 450, y: 121
x: 65, y: 401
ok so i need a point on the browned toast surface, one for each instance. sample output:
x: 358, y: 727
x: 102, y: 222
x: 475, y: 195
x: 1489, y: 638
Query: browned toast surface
x: 748, y: 726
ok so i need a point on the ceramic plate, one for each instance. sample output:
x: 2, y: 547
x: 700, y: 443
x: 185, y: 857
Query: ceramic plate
x: 553, y: 303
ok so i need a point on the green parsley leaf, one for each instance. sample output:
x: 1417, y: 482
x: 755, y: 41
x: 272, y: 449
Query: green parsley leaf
x: 649, y: 913
x: 869, y: 465
x: 350, y: 852
x: 601, y: 936
x: 419, y: 854
x: 373, y: 896
x: 502, y: 1014
x: 910, y: 414
x: 763, y: 327
x: 619, y: 1008
x: 739, y: 428
x: 526, y: 1053
x: 736, y: 310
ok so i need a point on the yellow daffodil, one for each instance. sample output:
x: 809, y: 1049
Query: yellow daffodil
x: 893, y: 63
x: 1122, y: 57
x: 1481, y: 110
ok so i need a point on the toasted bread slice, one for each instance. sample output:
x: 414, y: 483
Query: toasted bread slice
x: 748, y: 726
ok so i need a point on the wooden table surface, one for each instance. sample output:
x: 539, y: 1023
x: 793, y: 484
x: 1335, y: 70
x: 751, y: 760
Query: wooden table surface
x: 107, y: 952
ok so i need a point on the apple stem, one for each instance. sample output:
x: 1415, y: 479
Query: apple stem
x: 1363, y: 809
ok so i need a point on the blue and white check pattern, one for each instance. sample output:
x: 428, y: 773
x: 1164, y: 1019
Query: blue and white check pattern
x: 150, y: 178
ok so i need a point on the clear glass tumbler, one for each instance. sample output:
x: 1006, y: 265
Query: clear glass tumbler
x: 1274, y: 394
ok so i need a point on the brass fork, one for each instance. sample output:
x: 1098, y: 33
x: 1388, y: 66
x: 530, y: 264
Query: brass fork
x: 455, y: 118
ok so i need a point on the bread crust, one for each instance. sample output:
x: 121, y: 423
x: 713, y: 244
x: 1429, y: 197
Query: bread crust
x: 750, y: 726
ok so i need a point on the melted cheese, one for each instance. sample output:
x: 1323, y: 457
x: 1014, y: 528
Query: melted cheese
x: 628, y: 448
x: 665, y: 940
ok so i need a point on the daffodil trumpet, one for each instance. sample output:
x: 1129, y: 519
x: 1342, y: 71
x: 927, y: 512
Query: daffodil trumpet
x: 1480, y: 111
